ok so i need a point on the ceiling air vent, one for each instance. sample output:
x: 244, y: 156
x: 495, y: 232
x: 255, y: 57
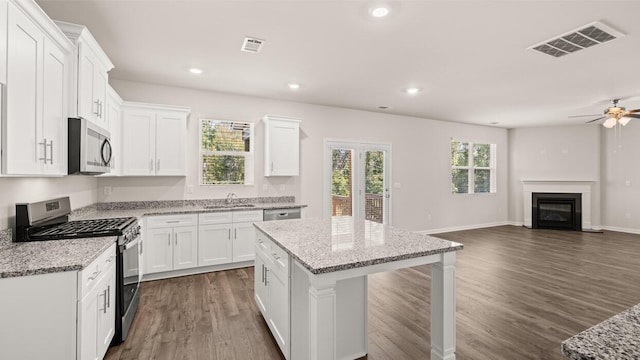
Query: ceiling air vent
x: 578, y: 39
x: 252, y: 45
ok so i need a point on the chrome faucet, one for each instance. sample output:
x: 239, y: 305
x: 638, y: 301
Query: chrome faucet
x: 230, y: 197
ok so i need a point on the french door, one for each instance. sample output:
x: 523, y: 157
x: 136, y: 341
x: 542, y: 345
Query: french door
x: 357, y: 180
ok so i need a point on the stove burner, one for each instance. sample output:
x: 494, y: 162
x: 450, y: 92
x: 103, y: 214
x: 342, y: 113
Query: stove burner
x: 85, y: 228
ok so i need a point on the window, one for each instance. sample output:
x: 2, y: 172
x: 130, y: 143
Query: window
x: 226, y: 152
x: 472, y: 168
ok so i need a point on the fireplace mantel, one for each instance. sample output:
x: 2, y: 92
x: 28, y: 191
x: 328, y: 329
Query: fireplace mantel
x: 558, y: 186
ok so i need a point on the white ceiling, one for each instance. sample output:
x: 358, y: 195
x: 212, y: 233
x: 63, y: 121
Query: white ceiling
x: 469, y: 57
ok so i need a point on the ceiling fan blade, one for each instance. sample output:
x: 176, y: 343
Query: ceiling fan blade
x: 633, y: 111
x: 635, y: 116
x: 596, y: 119
x: 575, y: 116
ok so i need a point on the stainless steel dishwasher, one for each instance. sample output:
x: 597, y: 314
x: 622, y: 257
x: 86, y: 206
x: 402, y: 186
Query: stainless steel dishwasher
x: 281, y: 214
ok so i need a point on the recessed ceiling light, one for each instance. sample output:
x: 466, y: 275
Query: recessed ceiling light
x: 195, y: 71
x: 293, y: 86
x: 379, y: 11
x: 412, y: 90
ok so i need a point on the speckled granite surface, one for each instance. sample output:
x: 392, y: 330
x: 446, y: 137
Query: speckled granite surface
x: 617, y: 338
x: 328, y: 245
x: 141, y: 208
x: 42, y: 257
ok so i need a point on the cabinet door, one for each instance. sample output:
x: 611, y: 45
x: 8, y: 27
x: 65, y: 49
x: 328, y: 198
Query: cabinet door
x: 244, y: 239
x: 87, y: 65
x: 87, y: 334
x: 284, y: 149
x: 185, y: 250
x: 23, y: 146
x: 100, y: 81
x: 106, y: 312
x: 171, y: 128
x: 113, y: 116
x: 138, y: 146
x: 3, y: 41
x: 261, y: 291
x: 158, y: 250
x: 55, y: 109
x: 279, y: 308
x: 214, y: 244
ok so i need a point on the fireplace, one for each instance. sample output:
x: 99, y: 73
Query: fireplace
x: 561, y: 211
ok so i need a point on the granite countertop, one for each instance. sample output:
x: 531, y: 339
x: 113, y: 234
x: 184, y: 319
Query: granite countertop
x: 150, y: 208
x: 41, y: 257
x: 342, y: 243
x: 617, y: 338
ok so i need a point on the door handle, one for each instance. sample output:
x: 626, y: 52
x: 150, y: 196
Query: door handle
x: 176, y: 236
x: 235, y: 234
x: 44, y: 144
x: 262, y: 280
x: 50, y: 145
x: 97, y: 112
x: 266, y: 276
x: 169, y: 240
x: 108, y: 296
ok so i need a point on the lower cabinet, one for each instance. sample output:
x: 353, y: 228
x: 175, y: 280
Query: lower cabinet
x: 62, y: 315
x: 227, y: 237
x: 272, y: 295
x: 169, y: 246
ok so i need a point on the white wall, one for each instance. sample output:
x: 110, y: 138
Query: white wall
x: 621, y: 178
x: 421, y: 151
x: 81, y: 190
x: 554, y: 153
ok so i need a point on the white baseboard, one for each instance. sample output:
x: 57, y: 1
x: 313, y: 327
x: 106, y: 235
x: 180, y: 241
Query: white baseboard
x: 619, y: 229
x: 464, y: 227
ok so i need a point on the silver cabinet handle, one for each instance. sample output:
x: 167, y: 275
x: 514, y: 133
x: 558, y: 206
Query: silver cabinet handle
x: 101, y: 103
x: 235, y: 234
x: 97, y: 112
x: 262, y: 279
x: 108, y: 296
x: 151, y: 165
x: 272, y: 166
x: 44, y: 144
x: 104, y: 301
x: 266, y: 276
x: 176, y: 236
x: 158, y: 165
x: 172, y: 222
x: 275, y: 256
x: 140, y: 247
x: 169, y: 240
x: 94, y: 275
x: 50, y: 145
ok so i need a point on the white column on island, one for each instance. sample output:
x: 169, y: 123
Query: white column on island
x: 322, y: 318
x: 443, y: 308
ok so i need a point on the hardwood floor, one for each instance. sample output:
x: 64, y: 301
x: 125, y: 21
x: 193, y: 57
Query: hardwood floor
x: 520, y: 293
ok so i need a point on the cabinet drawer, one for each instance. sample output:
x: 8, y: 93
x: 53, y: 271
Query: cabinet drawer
x: 263, y: 245
x: 247, y: 216
x: 154, y: 222
x: 223, y: 217
x: 92, y: 274
x: 280, y: 260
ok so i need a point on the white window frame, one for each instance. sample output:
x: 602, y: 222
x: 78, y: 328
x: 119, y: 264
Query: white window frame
x: 248, y: 155
x: 471, y: 168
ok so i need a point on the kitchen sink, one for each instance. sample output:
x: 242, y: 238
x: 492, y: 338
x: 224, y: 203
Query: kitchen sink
x: 229, y: 206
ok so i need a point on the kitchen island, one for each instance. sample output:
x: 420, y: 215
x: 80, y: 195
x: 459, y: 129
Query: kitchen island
x: 311, y: 283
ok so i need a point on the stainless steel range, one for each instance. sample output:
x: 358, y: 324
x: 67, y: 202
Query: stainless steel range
x: 49, y: 220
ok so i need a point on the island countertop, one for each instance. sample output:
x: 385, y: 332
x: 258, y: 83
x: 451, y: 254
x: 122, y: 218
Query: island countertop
x: 617, y: 338
x: 341, y: 243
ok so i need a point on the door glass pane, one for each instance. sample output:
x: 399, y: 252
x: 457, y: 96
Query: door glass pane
x: 374, y: 185
x: 342, y: 182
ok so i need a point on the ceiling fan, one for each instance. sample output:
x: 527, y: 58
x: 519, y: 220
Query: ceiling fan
x: 614, y: 114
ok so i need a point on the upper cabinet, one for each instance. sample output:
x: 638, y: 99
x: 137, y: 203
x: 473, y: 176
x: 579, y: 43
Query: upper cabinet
x: 37, y: 80
x: 113, y: 119
x: 90, y: 78
x: 154, y: 139
x: 281, y: 146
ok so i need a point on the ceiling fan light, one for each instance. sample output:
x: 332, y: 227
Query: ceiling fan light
x: 611, y: 122
x: 624, y: 120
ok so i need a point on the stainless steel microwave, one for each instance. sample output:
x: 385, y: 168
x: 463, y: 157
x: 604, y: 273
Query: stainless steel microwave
x: 90, y: 149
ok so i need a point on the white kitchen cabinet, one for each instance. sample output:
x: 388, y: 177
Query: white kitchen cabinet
x: 281, y: 146
x: 113, y: 117
x: 34, y: 130
x: 96, y: 309
x: 3, y: 41
x: 171, y: 243
x: 215, y: 244
x: 272, y: 283
x: 244, y: 239
x: 154, y: 139
x: 90, y: 69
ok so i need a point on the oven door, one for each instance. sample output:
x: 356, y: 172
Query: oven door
x: 130, y: 272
